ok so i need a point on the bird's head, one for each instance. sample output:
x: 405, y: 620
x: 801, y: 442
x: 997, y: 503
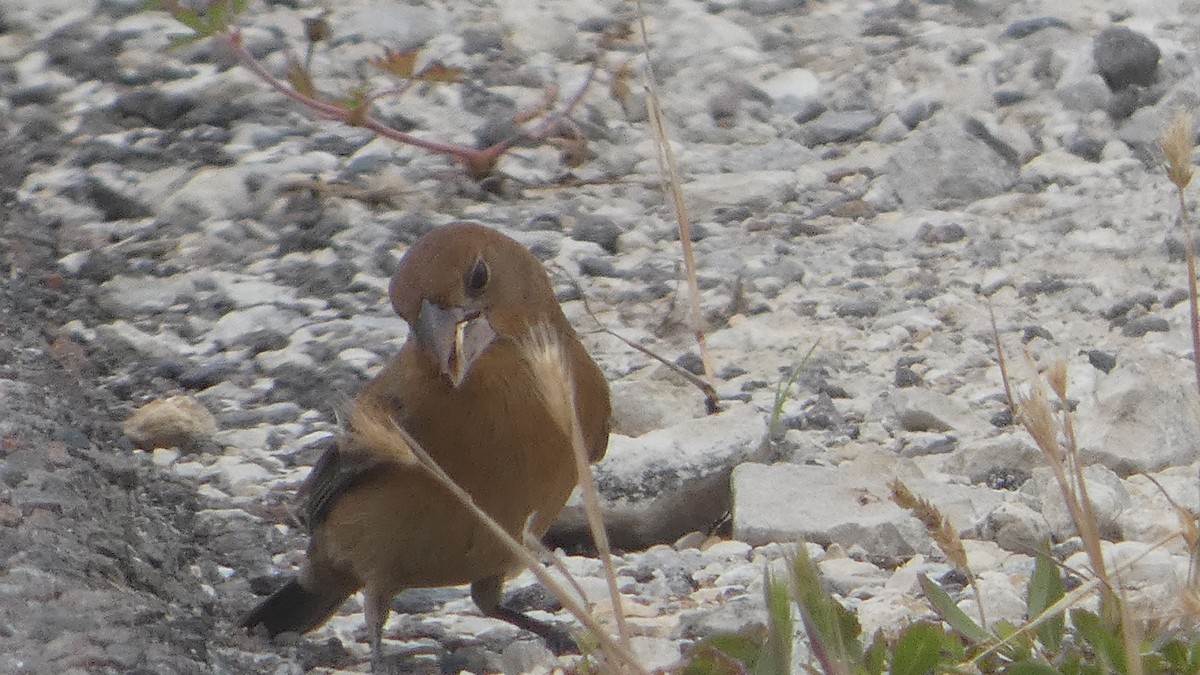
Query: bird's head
x: 464, y: 287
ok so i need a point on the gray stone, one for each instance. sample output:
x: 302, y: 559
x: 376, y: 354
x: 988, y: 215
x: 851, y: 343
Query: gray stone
x: 646, y: 404
x: 260, y: 328
x: 1085, y: 93
x: 920, y: 409
x: 837, y: 126
x: 943, y: 161
x: 1124, y: 57
x: 666, y: 483
x: 980, y: 458
x: 1014, y: 527
x: 755, y: 189
x: 129, y: 295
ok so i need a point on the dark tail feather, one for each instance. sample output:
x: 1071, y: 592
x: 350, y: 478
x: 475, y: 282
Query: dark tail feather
x: 294, y: 608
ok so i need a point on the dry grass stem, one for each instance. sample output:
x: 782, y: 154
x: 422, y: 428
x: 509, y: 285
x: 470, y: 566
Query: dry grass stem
x: 941, y: 531
x: 1176, y: 144
x: 1003, y: 362
x: 617, y: 652
x: 1071, y: 599
x: 670, y: 170
x: 550, y: 363
x: 1035, y: 413
x: 1189, y: 598
x: 711, y: 400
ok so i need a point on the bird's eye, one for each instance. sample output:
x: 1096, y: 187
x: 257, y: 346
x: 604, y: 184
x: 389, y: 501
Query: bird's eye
x: 477, y: 278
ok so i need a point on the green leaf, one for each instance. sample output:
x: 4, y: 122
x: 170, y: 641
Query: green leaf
x: 1045, y: 589
x: 744, y: 647
x: 1030, y: 668
x: 179, y: 41
x: 1179, y: 658
x: 951, y: 614
x: 707, y: 659
x: 777, y: 652
x: 917, y: 650
x: 832, y: 630
x: 218, y: 14
x: 1105, y: 640
x: 192, y: 19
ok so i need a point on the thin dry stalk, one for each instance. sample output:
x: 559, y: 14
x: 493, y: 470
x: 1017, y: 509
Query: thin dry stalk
x: 1189, y: 529
x: 1003, y: 362
x: 1176, y: 144
x: 544, y: 353
x: 1036, y: 415
x: 670, y: 170
x: 1071, y: 599
x: 1132, y: 632
x: 711, y: 400
x: 617, y: 652
x: 941, y: 531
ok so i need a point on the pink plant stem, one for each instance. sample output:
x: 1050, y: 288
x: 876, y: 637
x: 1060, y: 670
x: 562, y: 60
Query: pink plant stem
x: 334, y: 112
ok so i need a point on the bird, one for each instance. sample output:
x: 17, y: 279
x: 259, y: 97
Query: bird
x: 465, y: 387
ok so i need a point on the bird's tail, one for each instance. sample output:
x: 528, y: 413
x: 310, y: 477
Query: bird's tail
x: 295, y: 608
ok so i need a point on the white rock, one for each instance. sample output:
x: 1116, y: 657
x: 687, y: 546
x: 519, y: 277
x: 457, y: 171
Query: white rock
x: 793, y: 88
x: 846, y: 575
x: 164, y: 457
x: 128, y: 295
x: 214, y: 193
x: 1142, y: 417
x: 1105, y: 490
x: 921, y: 409
x: 245, y: 327
x: 978, y: 459
x: 164, y: 345
x: 1015, y: 527
x: 644, y: 404
x: 1003, y: 600
x: 848, y: 505
x: 754, y: 189
x: 247, y: 291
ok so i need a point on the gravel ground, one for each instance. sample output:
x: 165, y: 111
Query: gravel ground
x: 873, y: 178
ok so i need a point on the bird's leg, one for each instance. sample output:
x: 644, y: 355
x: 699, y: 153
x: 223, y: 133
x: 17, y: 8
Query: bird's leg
x: 486, y: 594
x: 375, y: 610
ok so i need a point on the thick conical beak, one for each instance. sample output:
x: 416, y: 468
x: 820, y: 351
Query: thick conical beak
x: 455, y: 337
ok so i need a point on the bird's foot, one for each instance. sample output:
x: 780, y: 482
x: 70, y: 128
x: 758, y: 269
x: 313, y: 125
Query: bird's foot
x: 557, y: 639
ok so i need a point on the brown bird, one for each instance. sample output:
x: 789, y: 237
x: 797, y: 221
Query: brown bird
x: 463, y: 386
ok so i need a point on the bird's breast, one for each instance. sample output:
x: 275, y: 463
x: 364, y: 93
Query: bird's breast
x: 495, y: 437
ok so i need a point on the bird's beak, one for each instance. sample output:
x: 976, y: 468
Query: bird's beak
x: 456, y: 337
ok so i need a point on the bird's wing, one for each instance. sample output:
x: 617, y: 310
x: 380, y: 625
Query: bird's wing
x: 372, y: 442
x: 334, y: 473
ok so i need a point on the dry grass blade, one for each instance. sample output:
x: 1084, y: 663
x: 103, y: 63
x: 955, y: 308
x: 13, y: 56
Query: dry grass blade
x: 1189, y: 599
x: 711, y: 400
x: 1003, y: 362
x: 670, y: 169
x: 941, y: 531
x: 1035, y: 413
x: 617, y: 652
x: 544, y: 353
x: 1176, y: 144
